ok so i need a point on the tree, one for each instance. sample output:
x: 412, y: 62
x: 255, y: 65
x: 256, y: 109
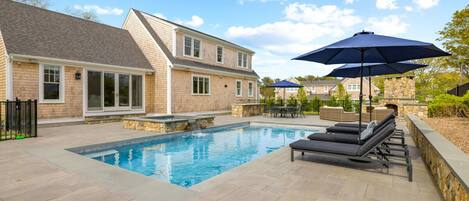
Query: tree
x: 37, y: 3
x: 301, y: 96
x: 455, y: 38
x: 265, y: 90
x: 340, y: 93
x: 87, y: 15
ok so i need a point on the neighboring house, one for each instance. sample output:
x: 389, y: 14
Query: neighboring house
x: 325, y: 88
x: 320, y: 88
x: 80, y: 68
x: 194, y: 71
x: 352, y: 87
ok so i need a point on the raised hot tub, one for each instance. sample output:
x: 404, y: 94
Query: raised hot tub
x: 168, y: 123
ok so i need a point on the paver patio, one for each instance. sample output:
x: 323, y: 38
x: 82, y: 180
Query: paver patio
x: 40, y: 169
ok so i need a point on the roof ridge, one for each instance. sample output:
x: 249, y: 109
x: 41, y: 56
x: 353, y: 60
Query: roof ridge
x: 192, y: 29
x: 67, y: 15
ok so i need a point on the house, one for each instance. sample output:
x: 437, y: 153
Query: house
x: 320, y: 88
x: 194, y: 71
x: 82, y: 69
x: 325, y: 88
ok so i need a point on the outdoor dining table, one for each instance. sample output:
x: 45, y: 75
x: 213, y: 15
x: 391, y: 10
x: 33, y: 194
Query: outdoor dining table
x: 283, y: 109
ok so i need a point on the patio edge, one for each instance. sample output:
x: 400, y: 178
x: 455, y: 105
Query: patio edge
x: 447, y: 163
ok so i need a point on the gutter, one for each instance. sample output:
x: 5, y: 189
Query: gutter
x: 83, y: 64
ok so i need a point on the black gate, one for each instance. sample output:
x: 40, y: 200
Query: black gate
x: 18, y: 119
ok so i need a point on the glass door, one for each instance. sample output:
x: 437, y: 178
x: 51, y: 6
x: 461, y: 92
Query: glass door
x: 109, y: 90
x: 124, y: 92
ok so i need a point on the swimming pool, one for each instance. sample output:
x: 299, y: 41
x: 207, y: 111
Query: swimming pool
x: 189, y: 158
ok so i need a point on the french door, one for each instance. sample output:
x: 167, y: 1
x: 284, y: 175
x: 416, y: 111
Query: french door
x: 110, y: 91
x: 116, y: 91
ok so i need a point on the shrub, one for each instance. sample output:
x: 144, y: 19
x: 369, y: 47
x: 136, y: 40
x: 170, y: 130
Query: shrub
x: 446, y: 105
x: 314, y: 104
x: 292, y: 101
x: 347, y: 103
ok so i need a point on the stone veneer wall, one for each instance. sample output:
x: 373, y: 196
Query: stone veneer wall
x: 246, y: 110
x: 448, y: 165
x: 399, y: 87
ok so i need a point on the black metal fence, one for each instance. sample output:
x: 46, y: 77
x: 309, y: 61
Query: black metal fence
x: 18, y: 119
x: 459, y: 90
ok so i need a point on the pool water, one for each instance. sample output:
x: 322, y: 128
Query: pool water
x: 192, y: 157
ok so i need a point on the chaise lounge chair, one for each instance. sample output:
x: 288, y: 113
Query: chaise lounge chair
x: 373, y: 150
x: 353, y: 128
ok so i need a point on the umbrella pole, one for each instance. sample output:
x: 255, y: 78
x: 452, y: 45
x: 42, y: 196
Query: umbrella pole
x: 362, y: 52
x: 284, y: 100
x: 369, y: 91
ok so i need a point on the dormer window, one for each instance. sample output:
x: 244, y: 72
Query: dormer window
x: 220, y: 51
x: 242, y: 60
x: 192, y: 47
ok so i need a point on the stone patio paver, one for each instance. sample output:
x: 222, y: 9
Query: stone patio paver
x: 40, y: 169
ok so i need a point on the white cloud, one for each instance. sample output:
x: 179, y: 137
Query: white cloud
x: 242, y: 2
x: 389, y: 25
x: 305, y: 27
x: 386, y: 4
x: 160, y: 15
x: 426, y: 4
x: 99, y: 10
x: 408, y: 8
x: 195, y: 21
x: 304, y: 23
x: 349, y: 1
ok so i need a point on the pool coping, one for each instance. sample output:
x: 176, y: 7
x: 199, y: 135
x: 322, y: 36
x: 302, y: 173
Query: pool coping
x: 122, y: 181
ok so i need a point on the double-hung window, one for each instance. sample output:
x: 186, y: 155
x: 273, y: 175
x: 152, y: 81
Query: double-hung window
x: 200, y: 85
x: 51, y: 83
x: 242, y: 60
x: 220, y: 51
x: 353, y: 87
x: 250, y: 89
x: 239, y: 90
x: 192, y: 47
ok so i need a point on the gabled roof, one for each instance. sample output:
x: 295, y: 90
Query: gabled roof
x: 196, y: 31
x: 32, y: 31
x: 183, y: 62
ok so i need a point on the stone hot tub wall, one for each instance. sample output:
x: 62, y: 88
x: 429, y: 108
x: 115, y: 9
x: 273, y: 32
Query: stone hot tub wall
x: 448, y: 165
x: 166, y: 126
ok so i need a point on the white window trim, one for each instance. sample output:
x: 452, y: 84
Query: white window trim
x: 192, y: 47
x: 222, y: 54
x: 241, y: 88
x: 209, y: 85
x: 237, y: 59
x: 61, y: 99
x: 250, y: 92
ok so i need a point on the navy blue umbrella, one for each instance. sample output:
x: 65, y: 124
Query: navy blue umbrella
x: 373, y: 69
x: 367, y: 47
x: 285, y: 84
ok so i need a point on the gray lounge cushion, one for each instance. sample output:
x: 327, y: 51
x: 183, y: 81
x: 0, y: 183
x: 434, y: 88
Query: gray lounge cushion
x: 375, y: 139
x: 350, y: 125
x: 335, y: 137
x: 354, y: 130
x: 326, y: 147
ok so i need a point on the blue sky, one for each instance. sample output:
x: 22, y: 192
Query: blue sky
x: 278, y: 30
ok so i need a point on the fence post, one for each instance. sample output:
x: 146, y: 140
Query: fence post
x: 35, y: 117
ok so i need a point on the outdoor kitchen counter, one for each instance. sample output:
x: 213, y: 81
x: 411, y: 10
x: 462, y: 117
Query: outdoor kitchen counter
x: 246, y: 109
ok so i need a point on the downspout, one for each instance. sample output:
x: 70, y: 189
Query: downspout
x: 9, y: 78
